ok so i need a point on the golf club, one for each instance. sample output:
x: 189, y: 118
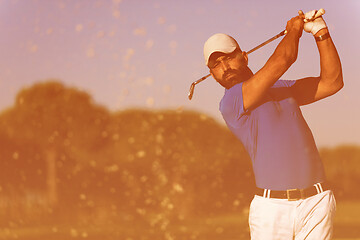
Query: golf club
x: 192, y: 87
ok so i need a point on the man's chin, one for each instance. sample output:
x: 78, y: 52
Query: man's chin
x: 233, y: 80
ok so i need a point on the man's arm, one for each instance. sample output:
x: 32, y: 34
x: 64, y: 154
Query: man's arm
x: 330, y: 81
x: 284, y: 56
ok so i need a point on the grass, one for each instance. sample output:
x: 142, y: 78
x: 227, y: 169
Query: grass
x: 347, y: 220
x: 224, y: 227
x: 348, y: 212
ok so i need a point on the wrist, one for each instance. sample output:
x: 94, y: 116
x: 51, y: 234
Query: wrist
x: 321, y: 32
x: 322, y: 37
x: 297, y: 33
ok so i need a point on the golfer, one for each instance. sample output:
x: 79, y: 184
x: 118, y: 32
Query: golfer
x: 293, y: 200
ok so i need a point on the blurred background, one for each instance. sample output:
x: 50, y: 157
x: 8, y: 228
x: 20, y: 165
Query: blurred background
x: 99, y: 141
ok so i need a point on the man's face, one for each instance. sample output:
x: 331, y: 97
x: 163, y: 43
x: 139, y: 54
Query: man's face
x: 229, y: 69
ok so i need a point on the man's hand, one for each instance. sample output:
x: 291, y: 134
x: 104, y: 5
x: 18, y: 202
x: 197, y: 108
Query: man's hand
x: 296, y: 24
x: 312, y: 24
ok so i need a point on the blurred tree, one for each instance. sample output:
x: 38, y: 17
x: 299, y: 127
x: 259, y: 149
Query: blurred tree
x: 342, y: 165
x: 63, y: 123
x: 153, y: 166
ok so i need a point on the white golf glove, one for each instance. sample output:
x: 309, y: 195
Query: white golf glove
x: 313, y: 25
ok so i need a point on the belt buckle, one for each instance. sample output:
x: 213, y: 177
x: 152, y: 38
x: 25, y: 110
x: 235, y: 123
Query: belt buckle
x: 290, y: 198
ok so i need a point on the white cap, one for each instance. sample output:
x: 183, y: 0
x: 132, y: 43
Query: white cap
x: 219, y: 42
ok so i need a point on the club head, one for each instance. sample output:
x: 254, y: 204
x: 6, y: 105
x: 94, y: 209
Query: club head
x: 191, y: 91
x: 192, y: 87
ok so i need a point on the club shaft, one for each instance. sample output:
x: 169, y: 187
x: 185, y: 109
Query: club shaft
x: 202, y: 79
x: 267, y: 41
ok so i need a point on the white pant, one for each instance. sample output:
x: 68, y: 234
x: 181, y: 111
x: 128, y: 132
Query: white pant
x: 310, y: 218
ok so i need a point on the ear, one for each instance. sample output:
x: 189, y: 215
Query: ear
x: 245, y: 56
x: 211, y: 73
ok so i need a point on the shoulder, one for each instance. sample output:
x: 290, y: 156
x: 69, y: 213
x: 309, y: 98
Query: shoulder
x: 231, y: 105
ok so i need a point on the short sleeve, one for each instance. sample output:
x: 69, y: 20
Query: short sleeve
x: 284, y: 83
x: 232, y: 105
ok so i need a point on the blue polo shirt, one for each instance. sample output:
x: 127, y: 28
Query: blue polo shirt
x: 276, y: 137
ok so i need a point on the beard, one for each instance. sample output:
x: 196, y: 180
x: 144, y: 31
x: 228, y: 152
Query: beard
x: 234, y: 76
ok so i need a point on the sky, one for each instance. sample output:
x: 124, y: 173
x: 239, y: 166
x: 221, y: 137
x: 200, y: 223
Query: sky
x: 146, y: 53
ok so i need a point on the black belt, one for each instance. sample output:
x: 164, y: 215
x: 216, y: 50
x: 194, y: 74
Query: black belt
x: 293, y: 194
